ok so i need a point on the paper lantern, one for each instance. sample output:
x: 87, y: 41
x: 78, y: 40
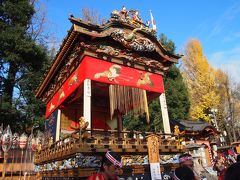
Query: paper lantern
x: 214, y: 147
x: 23, y: 141
x: 15, y: 143
x: 1, y: 133
x: 7, y: 139
x: 34, y: 144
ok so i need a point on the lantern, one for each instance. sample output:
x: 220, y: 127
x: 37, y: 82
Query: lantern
x: 214, y: 147
x: 34, y: 144
x: 23, y: 141
x: 15, y: 143
x: 6, y: 145
x: 1, y: 133
x: 7, y: 139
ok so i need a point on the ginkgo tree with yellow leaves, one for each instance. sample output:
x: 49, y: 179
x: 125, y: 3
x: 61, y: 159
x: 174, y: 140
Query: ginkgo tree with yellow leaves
x: 229, y: 105
x: 200, y: 79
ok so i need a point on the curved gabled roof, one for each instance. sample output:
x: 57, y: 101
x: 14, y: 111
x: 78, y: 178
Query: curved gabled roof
x: 100, y: 31
x: 193, y: 126
x: 138, y: 42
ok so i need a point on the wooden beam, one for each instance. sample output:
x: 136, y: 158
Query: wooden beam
x: 58, y: 125
x: 87, y: 101
x: 163, y: 104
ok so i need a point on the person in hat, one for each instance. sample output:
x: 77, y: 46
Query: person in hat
x: 111, y: 164
x: 186, y: 160
x: 183, y: 173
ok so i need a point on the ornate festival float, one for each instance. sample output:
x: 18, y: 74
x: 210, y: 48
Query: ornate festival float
x: 200, y: 140
x: 101, y: 73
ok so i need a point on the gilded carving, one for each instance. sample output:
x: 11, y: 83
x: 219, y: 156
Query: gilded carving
x: 64, y: 72
x: 61, y: 94
x: 132, y: 41
x: 145, y: 79
x: 113, y: 72
x: 52, y: 106
x: 120, y: 53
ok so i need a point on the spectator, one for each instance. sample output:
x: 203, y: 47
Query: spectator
x: 186, y: 160
x: 111, y: 163
x: 233, y: 172
x: 183, y: 173
x: 238, y: 158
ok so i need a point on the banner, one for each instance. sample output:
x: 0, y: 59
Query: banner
x: 106, y: 72
x: 51, y: 125
x: 153, y: 156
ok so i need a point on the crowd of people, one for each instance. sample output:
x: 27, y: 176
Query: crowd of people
x: 186, y: 170
x: 226, y: 170
x: 111, y: 165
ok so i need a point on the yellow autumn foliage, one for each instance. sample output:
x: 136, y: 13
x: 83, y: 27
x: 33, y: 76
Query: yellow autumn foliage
x: 200, y: 79
x: 229, y: 104
x: 223, y: 90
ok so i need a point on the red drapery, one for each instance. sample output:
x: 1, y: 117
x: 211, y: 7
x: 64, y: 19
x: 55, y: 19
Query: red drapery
x: 106, y: 72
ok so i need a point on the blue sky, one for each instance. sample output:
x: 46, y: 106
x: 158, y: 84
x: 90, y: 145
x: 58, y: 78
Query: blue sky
x: 216, y: 23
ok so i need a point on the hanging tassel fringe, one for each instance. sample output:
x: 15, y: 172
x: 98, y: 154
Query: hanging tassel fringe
x: 126, y: 99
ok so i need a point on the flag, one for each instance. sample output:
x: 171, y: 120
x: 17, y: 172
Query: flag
x: 154, y: 27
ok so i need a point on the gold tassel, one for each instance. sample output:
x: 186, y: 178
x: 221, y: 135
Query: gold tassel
x: 126, y: 99
x: 146, y: 106
x: 112, y: 105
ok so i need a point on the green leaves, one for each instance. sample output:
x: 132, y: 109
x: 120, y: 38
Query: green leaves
x: 176, y: 96
x: 22, y: 60
x: 168, y: 45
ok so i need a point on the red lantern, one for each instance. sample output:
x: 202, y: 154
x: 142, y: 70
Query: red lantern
x: 34, y: 144
x: 23, y: 141
x: 15, y: 143
x: 7, y: 139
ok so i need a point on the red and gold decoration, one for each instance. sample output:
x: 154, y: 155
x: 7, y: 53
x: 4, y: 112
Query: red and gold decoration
x: 101, y: 73
x: 106, y: 72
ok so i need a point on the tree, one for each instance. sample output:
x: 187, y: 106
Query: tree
x: 168, y: 44
x: 228, y: 108
x: 176, y: 97
x: 135, y: 122
x: 200, y: 79
x: 175, y: 89
x: 20, y: 56
x: 176, y: 94
x: 92, y: 16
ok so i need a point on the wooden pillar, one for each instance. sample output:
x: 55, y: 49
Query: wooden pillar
x: 163, y: 104
x: 87, y: 101
x: 58, y: 129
